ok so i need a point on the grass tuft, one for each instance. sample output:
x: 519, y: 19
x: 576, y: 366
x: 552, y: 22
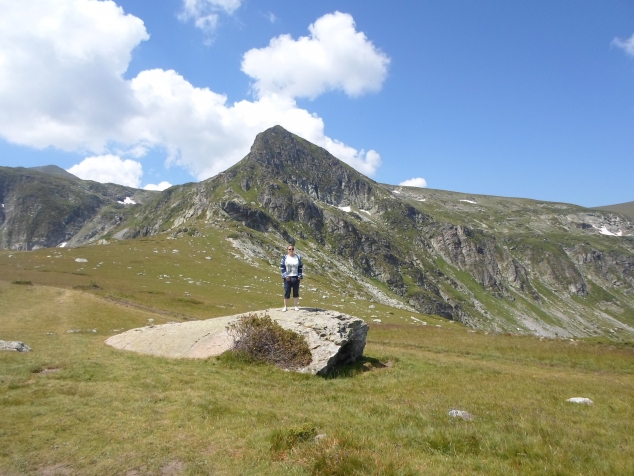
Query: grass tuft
x: 22, y: 282
x: 285, y: 439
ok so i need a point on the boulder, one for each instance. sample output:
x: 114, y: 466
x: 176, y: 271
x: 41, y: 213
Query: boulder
x: 582, y: 400
x: 461, y: 414
x: 333, y: 338
x: 14, y: 346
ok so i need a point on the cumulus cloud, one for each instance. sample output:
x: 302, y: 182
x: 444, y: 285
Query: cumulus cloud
x: 109, y: 169
x: 159, y: 187
x: 61, y: 67
x: 204, y: 13
x: 62, y: 85
x: 625, y: 45
x: 415, y: 182
x: 334, y: 57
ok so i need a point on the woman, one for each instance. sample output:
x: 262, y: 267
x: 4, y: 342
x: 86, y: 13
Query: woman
x: 291, y: 268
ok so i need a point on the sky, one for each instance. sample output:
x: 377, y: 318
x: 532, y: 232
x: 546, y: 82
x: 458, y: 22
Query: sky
x: 523, y: 99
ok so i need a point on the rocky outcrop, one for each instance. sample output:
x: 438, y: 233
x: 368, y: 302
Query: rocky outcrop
x: 333, y: 338
x: 14, y: 346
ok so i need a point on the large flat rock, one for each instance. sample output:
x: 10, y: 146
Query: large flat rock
x: 334, y: 338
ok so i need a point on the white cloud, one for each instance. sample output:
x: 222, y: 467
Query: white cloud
x: 415, y: 182
x: 61, y: 84
x: 109, y: 169
x: 61, y: 67
x: 625, y: 45
x: 159, y: 187
x: 334, y: 57
x: 204, y: 13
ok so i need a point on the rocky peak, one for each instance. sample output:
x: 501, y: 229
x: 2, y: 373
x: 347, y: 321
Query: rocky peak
x: 280, y: 156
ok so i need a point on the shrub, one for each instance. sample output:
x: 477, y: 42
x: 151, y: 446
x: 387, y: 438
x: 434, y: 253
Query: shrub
x: 20, y: 281
x: 263, y: 340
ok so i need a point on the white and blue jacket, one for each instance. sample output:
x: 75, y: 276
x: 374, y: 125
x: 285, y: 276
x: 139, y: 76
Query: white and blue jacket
x: 299, y: 266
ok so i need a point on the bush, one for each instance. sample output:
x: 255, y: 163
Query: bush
x: 261, y: 339
x: 25, y: 283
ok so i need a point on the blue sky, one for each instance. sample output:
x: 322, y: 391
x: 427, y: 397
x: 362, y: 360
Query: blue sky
x: 529, y: 99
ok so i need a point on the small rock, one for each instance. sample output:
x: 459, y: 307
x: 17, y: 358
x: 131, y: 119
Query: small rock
x: 461, y: 414
x: 207, y: 257
x: 14, y: 346
x: 372, y: 306
x: 81, y: 260
x: 319, y: 437
x: 376, y: 320
x: 582, y: 400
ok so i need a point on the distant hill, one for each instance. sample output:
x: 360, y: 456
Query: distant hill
x: 626, y: 208
x: 46, y: 206
x: 54, y: 170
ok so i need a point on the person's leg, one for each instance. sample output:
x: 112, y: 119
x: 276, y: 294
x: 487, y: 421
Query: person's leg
x: 296, y: 294
x: 287, y: 294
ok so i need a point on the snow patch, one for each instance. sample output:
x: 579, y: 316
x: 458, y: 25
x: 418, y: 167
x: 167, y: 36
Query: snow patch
x: 62, y: 245
x: 420, y: 200
x: 365, y: 211
x: 469, y: 201
x: 396, y: 191
x: 345, y: 209
x: 127, y: 201
x: 604, y: 231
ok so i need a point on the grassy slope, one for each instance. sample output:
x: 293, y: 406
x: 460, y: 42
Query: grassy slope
x: 107, y: 412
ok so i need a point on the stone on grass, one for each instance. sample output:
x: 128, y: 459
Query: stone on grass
x: 14, y: 346
x: 582, y: 400
x: 81, y: 260
x: 461, y: 414
x: 333, y: 338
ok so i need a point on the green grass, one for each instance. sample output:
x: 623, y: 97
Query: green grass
x: 74, y: 404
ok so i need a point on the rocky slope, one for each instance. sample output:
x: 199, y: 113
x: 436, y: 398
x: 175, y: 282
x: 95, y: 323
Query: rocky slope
x: 47, y: 206
x: 505, y: 264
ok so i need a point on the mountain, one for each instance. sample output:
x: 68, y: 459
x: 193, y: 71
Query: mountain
x: 47, y: 206
x: 501, y: 263
x: 505, y: 264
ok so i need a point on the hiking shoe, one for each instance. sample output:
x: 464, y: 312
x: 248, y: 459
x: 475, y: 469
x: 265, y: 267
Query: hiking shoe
x: 284, y: 309
x: 296, y: 308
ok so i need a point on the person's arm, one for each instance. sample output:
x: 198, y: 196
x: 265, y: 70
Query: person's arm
x: 283, y: 267
x: 299, y: 267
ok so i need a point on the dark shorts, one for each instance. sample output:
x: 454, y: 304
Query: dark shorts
x: 292, y: 284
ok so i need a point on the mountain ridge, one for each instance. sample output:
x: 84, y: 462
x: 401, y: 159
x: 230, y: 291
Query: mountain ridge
x: 504, y: 264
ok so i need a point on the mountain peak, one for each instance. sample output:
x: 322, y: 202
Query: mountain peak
x: 277, y: 155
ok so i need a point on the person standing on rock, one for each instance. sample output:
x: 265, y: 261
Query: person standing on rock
x: 291, y: 267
